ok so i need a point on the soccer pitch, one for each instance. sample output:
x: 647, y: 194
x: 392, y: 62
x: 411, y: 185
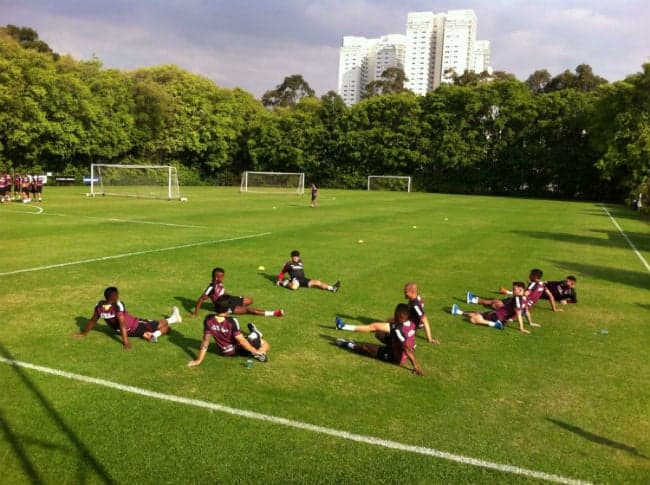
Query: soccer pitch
x: 569, y: 403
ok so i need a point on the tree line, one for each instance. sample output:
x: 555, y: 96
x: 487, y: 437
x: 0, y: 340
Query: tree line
x: 570, y: 136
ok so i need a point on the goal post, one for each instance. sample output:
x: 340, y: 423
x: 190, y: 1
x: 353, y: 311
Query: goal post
x: 140, y: 181
x: 273, y: 182
x: 389, y: 182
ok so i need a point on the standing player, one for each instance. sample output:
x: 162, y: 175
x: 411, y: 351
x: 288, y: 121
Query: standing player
x: 399, y: 342
x: 295, y: 269
x: 510, y: 309
x: 416, y: 315
x: 114, y: 313
x: 18, y: 184
x: 314, y: 195
x: 228, y: 337
x: 239, y: 304
x: 38, y: 187
x: 4, y: 181
x: 26, y: 187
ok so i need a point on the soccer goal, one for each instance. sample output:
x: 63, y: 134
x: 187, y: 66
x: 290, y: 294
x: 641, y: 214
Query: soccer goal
x: 389, y: 182
x: 142, y: 181
x: 273, y: 182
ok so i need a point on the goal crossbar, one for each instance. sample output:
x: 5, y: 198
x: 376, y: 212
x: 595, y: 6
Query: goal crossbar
x: 273, y: 182
x: 133, y: 180
x: 405, y: 178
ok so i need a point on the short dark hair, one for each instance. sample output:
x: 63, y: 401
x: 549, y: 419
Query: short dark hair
x: 572, y: 278
x: 536, y: 273
x: 403, y: 310
x: 222, y: 305
x: 217, y: 270
x: 519, y: 284
x: 110, y: 291
x: 295, y: 252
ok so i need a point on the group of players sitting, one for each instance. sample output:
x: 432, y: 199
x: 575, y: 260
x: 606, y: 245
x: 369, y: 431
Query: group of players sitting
x: 397, y: 334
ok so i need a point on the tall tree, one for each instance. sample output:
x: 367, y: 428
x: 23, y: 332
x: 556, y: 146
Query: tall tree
x: 292, y: 90
x: 392, y: 80
x: 538, y: 81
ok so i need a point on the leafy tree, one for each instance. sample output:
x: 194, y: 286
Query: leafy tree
x: 392, y: 81
x: 583, y: 80
x: 538, y: 81
x: 28, y: 39
x: 292, y: 89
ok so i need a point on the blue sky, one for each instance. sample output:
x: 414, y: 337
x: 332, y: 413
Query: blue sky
x: 255, y: 44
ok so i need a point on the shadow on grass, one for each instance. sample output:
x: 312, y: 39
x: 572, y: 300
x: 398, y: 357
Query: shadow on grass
x: 601, y: 440
x: 81, y: 322
x: 617, y: 213
x: 187, y: 344
x: 359, y: 318
x: 332, y: 341
x: 636, y: 279
x: 86, y: 460
x: 613, y: 239
x: 188, y: 304
x: 271, y: 277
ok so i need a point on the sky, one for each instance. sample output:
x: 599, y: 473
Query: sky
x: 254, y: 44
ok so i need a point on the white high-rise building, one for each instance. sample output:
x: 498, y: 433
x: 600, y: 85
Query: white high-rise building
x: 435, y: 45
x: 458, y: 44
x: 363, y: 60
x: 422, y: 67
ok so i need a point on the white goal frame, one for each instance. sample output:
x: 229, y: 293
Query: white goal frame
x: 245, y: 187
x: 399, y: 177
x: 97, y: 187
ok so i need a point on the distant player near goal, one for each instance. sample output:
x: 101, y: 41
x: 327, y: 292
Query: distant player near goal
x: 114, y: 313
x: 296, y: 271
x: 228, y: 337
x: 238, y: 304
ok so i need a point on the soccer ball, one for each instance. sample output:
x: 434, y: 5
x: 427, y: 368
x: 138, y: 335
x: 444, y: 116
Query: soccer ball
x: 261, y: 268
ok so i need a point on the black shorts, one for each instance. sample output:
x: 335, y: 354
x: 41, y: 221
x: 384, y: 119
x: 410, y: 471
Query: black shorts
x: 491, y: 316
x: 303, y: 282
x: 38, y: 189
x: 3, y: 190
x: 257, y: 343
x: 236, y: 301
x: 144, y: 326
x: 385, y: 353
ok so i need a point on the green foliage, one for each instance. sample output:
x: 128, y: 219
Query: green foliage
x: 289, y: 93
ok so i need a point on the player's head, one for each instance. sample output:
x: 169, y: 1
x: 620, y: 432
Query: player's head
x: 222, y: 305
x: 295, y: 255
x: 571, y: 281
x: 401, y: 313
x: 410, y: 290
x: 535, y: 274
x: 518, y: 288
x: 218, y: 274
x: 111, y: 294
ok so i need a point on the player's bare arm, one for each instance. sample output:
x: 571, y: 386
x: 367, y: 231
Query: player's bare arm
x: 417, y: 370
x: 89, y: 326
x: 202, y: 351
x: 427, y: 331
x: 551, y: 300
x: 126, y: 345
x: 520, y: 320
x: 199, y: 302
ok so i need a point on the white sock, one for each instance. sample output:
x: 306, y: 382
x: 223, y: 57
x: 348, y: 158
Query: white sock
x: 330, y: 288
x: 509, y: 292
x: 157, y: 333
x: 172, y: 319
x: 474, y: 299
x: 349, y: 328
x: 268, y: 313
x: 351, y: 345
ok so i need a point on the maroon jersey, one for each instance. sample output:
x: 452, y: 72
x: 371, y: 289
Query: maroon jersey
x: 402, y: 336
x: 561, y: 291
x: 416, y: 313
x: 535, y: 291
x: 3, y: 181
x: 510, y: 308
x: 110, y: 313
x: 295, y: 270
x: 38, y: 181
x: 223, y: 330
x: 214, y: 291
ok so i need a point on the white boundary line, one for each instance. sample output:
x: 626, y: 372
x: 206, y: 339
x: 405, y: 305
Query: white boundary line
x: 636, y: 251
x: 394, y: 445
x: 137, y: 253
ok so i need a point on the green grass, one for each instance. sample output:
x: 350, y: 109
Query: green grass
x: 565, y: 400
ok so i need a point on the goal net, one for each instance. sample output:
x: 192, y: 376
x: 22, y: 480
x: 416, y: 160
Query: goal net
x: 143, y: 181
x: 389, y: 182
x: 273, y: 182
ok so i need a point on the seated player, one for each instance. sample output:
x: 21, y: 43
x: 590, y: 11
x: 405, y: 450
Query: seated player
x: 562, y: 291
x: 239, y: 304
x: 114, y: 313
x: 399, y: 341
x: 295, y: 269
x: 228, y: 337
x: 416, y: 315
x: 512, y: 308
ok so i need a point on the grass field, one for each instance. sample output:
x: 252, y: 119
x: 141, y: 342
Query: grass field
x: 568, y: 402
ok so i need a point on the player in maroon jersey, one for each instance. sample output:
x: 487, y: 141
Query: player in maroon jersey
x: 227, y: 335
x: 114, y: 313
x: 37, y: 188
x: 563, y: 291
x: 18, y: 183
x: 512, y: 308
x: 239, y: 304
x: 26, y: 187
x: 399, y: 343
x: 296, y: 271
x: 4, y: 186
x: 417, y: 316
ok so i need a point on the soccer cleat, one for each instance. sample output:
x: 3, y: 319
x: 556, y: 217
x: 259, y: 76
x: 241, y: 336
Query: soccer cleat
x: 503, y: 291
x: 253, y: 329
x: 278, y: 313
x: 341, y: 342
x: 470, y: 297
x: 177, y: 314
x: 339, y: 323
x: 153, y: 339
x: 455, y: 310
x: 260, y: 356
x: 498, y: 325
x: 336, y: 286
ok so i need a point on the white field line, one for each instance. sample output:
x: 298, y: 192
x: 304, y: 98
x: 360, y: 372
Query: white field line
x: 109, y: 219
x: 636, y: 251
x: 137, y: 253
x: 394, y: 445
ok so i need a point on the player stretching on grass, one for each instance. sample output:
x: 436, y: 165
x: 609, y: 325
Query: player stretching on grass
x: 399, y: 341
x: 416, y: 315
x: 114, y: 313
x: 228, y: 337
x: 295, y: 268
x: 239, y: 304
x: 563, y: 291
x: 512, y: 308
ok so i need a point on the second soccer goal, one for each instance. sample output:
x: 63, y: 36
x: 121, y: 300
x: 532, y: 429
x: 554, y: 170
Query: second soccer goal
x: 273, y: 182
x: 396, y: 183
